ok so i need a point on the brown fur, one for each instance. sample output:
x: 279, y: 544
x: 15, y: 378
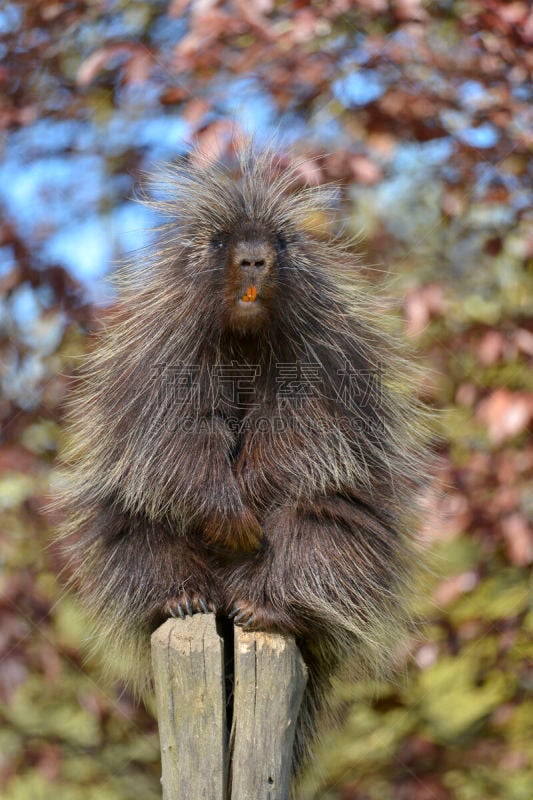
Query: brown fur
x: 293, y: 512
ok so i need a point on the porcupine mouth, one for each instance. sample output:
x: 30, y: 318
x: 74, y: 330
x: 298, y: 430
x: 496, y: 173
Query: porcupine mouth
x: 250, y: 311
x: 249, y: 300
x: 250, y: 308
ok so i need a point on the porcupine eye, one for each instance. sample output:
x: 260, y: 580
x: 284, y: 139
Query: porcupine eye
x: 218, y: 241
x: 281, y: 241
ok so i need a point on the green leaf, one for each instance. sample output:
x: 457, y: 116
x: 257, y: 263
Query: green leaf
x: 452, y: 703
x: 498, y: 597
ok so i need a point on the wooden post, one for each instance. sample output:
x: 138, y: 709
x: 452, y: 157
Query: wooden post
x: 270, y: 678
x: 188, y: 662
x: 269, y: 681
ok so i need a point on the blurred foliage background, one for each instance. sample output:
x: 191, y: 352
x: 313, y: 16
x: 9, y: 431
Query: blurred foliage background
x: 421, y: 112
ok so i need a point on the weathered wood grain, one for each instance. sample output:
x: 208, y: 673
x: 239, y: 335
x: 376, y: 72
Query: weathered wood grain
x: 188, y: 663
x: 270, y: 678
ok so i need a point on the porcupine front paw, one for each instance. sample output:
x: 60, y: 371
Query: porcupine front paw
x: 187, y: 604
x: 252, y: 616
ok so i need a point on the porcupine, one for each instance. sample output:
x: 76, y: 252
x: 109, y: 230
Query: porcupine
x: 245, y: 436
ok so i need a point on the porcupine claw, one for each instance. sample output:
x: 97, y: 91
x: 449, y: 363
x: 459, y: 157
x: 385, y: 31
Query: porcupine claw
x: 188, y: 606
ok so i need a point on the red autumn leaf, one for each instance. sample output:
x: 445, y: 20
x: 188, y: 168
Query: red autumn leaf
x: 505, y: 414
x: 100, y: 59
x: 518, y: 540
x: 421, y: 305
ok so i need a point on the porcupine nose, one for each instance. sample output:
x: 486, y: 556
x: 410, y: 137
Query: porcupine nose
x: 245, y: 262
x: 255, y: 258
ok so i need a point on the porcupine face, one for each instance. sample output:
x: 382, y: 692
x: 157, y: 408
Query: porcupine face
x: 234, y: 241
x: 248, y: 259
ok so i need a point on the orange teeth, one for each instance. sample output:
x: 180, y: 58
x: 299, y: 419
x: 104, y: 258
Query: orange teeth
x: 251, y: 295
